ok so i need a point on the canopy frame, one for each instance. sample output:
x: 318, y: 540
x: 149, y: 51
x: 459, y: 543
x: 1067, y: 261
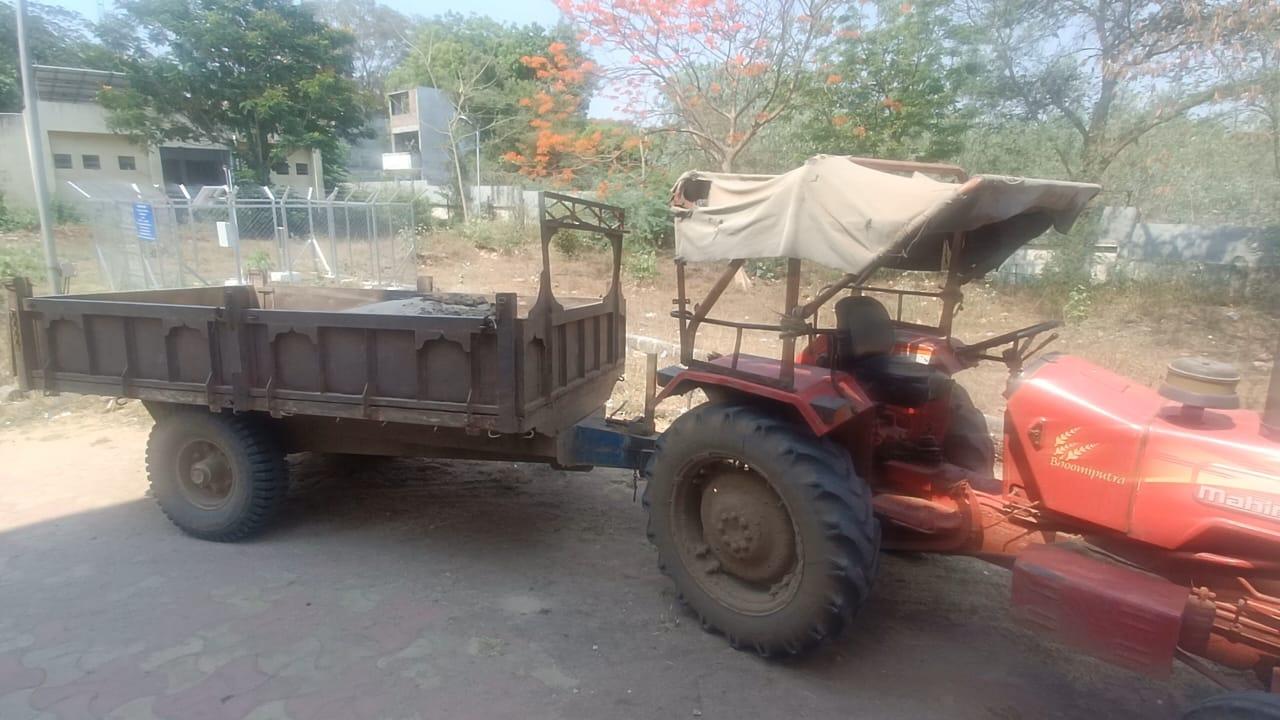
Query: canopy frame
x: 796, y: 316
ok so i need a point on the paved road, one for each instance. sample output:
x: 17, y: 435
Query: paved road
x: 418, y: 589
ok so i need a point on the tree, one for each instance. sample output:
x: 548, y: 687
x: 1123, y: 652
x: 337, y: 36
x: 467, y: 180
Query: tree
x: 379, y: 39
x: 56, y: 36
x: 1262, y: 99
x: 893, y: 87
x: 261, y: 76
x: 562, y: 144
x: 1113, y: 70
x: 718, y: 71
x: 478, y: 63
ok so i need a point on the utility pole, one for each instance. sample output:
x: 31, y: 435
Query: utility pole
x: 35, y: 150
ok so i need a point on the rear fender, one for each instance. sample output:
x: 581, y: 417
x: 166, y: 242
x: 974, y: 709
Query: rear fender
x: 823, y: 406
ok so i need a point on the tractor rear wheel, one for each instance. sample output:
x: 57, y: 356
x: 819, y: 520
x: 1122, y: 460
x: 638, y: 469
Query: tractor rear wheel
x: 767, y: 531
x: 1236, y: 706
x: 218, y: 477
x: 968, y: 441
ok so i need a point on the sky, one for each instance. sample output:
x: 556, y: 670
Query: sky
x: 514, y: 11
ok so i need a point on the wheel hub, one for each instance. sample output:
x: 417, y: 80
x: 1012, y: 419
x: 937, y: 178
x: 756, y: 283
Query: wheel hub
x: 746, y: 526
x: 204, y: 475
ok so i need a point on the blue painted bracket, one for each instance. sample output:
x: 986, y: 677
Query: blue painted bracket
x: 597, y: 443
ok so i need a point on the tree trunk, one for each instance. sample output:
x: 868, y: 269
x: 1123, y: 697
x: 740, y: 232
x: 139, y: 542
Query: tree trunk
x: 457, y: 176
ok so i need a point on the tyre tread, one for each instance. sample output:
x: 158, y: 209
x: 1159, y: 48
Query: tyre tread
x: 829, y: 483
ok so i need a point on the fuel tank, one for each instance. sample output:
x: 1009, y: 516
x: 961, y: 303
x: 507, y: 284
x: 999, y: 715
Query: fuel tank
x: 1111, y: 453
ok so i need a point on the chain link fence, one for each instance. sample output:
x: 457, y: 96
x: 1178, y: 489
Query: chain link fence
x: 143, y: 238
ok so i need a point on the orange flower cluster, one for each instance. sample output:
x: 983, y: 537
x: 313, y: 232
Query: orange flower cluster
x: 562, y: 143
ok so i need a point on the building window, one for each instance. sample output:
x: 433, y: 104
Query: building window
x: 127, y: 162
x: 301, y: 169
x: 399, y: 103
x: 91, y: 162
x: 405, y: 142
x: 62, y: 161
x: 280, y: 168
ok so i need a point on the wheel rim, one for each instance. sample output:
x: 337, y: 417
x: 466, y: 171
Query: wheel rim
x: 735, y: 536
x: 205, y: 476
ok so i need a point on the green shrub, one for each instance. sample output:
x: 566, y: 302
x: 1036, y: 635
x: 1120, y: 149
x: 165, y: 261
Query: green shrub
x: 494, y: 235
x: 65, y: 213
x: 767, y: 268
x: 648, y: 219
x: 17, y: 261
x: 1079, y: 300
x: 259, y: 260
x: 639, y: 260
x: 572, y: 243
x: 14, y: 219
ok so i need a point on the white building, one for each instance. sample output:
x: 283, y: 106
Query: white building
x: 81, y: 148
x: 418, y: 124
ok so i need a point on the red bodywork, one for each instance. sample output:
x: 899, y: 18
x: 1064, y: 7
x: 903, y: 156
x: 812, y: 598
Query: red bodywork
x: 824, y: 399
x: 1094, y: 447
x: 1187, y: 507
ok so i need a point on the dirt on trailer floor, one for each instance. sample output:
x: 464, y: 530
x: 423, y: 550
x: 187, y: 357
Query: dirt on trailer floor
x: 431, y: 589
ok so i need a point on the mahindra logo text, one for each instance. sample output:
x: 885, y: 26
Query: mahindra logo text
x: 1241, y: 501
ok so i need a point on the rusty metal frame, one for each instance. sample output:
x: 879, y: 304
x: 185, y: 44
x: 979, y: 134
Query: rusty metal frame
x: 797, y: 314
x: 690, y: 320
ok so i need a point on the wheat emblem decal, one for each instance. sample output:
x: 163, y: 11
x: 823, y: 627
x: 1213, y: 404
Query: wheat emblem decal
x: 1066, y: 450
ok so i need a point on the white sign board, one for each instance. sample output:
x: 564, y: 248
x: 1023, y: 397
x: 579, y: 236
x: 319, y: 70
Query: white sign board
x: 226, y: 235
x: 397, y: 161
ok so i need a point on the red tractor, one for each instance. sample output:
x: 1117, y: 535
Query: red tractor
x: 1141, y: 526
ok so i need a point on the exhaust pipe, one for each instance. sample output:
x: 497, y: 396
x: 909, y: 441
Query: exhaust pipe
x: 1271, y: 411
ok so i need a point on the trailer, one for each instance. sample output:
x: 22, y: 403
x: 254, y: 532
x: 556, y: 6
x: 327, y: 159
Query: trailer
x: 237, y: 377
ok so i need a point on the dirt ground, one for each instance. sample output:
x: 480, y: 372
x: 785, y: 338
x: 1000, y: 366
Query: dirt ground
x: 429, y: 589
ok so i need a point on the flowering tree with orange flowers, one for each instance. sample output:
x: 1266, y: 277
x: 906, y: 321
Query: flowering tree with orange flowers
x: 562, y: 143
x: 717, y: 71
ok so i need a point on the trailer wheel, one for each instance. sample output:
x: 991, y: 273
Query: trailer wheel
x: 217, y: 477
x: 1236, y: 706
x: 767, y: 531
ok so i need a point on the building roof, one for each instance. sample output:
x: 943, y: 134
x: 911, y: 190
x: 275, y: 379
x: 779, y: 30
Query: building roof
x: 61, y: 84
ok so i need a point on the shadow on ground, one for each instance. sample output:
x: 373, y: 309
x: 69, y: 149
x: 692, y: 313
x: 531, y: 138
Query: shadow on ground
x: 420, y: 588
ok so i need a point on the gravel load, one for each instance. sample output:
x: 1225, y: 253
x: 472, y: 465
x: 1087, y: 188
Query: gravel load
x: 449, y: 305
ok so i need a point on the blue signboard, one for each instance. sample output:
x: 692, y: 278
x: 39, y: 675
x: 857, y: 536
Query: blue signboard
x: 144, y: 221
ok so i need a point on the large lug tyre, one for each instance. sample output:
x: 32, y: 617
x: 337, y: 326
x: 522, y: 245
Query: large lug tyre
x: 968, y: 441
x: 1236, y: 706
x: 766, y: 531
x: 217, y: 477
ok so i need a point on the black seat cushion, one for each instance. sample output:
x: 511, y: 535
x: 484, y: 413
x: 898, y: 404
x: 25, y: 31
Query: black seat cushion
x: 865, y: 328
x: 864, y: 347
x: 901, y: 381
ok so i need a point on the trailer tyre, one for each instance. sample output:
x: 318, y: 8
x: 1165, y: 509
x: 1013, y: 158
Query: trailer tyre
x: 217, y: 477
x: 767, y: 531
x: 1236, y: 706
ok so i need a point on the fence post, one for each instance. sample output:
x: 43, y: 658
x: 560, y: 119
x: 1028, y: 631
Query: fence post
x: 346, y: 222
x: 284, y: 234
x: 372, y: 203
x: 333, y: 234
x: 191, y: 227
x: 177, y: 241
x: 235, y: 227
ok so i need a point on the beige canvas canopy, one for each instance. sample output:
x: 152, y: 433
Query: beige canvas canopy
x: 841, y: 214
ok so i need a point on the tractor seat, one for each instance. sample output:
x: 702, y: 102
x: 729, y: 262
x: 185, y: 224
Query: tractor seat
x: 864, y: 348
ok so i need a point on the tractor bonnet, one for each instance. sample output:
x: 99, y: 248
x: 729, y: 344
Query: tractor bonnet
x: 838, y: 213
